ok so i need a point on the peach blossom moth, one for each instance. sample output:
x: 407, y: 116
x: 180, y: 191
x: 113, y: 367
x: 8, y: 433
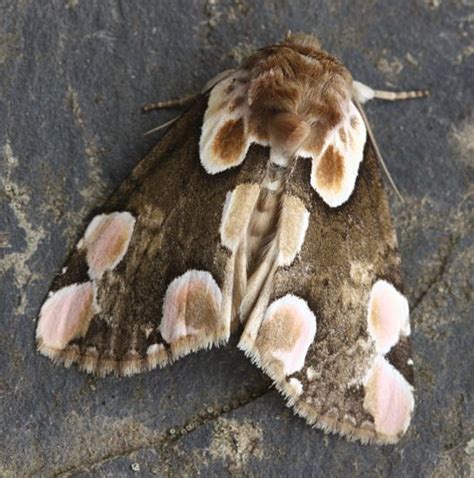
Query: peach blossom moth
x: 261, y: 210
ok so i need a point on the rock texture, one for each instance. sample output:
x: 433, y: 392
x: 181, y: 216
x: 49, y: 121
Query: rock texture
x: 73, y: 75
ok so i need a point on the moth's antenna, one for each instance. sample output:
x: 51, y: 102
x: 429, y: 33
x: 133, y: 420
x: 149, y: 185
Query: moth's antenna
x: 377, y: 150
x: 164, y: 125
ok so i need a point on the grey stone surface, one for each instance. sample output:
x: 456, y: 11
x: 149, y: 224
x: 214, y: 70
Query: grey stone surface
x: 73, y: 75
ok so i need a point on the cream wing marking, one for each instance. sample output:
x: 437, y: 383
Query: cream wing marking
x: 388, y: 316
x: 285, y: 334
x: 335, y: 166
x: 294, y: 221
x: 224, y: 139
x: 236, y: 214
x: 65, y: 315
x: 191, y: 308
x: 106, y: 241
x: 389, y: 399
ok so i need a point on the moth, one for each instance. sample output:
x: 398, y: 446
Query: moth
x: 262, y: 210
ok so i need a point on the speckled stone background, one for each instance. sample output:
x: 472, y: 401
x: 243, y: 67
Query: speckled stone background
x: 73, y: 76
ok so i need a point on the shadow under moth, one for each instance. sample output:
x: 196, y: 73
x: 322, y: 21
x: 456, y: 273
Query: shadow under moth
x: 261, y: 210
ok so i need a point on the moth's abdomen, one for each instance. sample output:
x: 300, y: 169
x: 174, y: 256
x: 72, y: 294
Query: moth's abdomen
x: 264, y: 228
x: 263, y: 225
x: 258, y: 249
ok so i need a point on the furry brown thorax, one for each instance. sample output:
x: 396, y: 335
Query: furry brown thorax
x: 295, y: 93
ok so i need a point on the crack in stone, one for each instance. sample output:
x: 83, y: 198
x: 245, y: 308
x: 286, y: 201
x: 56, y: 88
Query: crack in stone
x: 173, y: 434
x: 439, y: 274
x: 96, y: 188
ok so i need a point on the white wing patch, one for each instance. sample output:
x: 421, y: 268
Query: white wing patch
x: 64, y: 316
x: 388, y: 395
x: 224, y: 139
x: 106, y: 240
x: 388, y: 316
x: 389, y: 398
x: 335, y: 166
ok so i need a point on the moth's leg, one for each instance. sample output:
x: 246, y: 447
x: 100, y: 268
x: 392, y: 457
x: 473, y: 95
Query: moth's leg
x: 179, y: 102
x: 159, y: 105
x: 364, y: 93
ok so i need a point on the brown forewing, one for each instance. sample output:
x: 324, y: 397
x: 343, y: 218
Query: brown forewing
x: 178, y: 209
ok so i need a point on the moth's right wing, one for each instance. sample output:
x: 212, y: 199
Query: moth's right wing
x: 150, y: 280
x: 335, y: 337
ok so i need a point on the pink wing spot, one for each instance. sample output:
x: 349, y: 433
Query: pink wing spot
x: 389, y: 399
x: 191, y: 306
x: 106, y: 241
x: 66, y: 315
x: 388, y: 316
x: 288, y: 329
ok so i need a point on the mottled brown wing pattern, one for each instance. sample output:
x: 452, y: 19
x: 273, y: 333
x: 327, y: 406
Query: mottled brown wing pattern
x: 146, y: 284
x: 355, y: 377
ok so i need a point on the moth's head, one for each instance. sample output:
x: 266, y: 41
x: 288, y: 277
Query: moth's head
x: 303, y: 39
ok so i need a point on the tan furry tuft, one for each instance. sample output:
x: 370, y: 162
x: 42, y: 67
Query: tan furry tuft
x: 287, y: 132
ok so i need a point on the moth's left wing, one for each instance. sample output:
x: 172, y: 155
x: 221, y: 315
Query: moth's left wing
x: 150, y: 280
x: 335, y: 337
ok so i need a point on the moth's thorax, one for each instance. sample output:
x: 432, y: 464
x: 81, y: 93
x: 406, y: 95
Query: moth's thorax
x: 298, y: 78
x: 296, y: 99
